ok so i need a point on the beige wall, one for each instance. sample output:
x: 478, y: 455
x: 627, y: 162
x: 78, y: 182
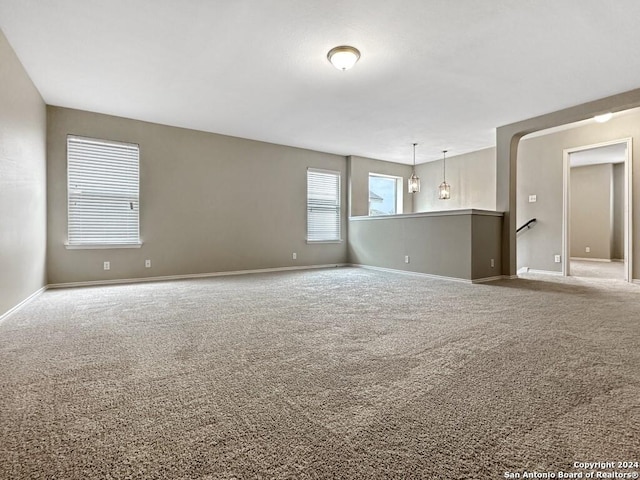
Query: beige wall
x: 618, y: 211
x: 591, y: 211
x: 208, y: 203
x: 507, y: 163
x: 540, y: 171
x: 472, y: 177
x: 22, y: 183
x: 359, y: 170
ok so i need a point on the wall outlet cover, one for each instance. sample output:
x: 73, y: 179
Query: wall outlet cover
x: 107, y: 265
x: 406, y: 259
x: 533, y: 198
x: 557, y: 258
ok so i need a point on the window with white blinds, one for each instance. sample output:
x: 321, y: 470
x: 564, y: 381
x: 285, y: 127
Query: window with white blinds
x: 323, y: 205
x: 103, y: 192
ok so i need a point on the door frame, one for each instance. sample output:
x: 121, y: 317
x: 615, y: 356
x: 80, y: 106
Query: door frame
x: 627, y: 205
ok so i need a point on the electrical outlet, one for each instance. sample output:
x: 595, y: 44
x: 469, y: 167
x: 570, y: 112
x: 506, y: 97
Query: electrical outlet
x: 107, y: 265
x: 493, y: 263
x: 556, y: 258
x: 587, y: 249
x: 294, y: 256
x: 147, y: 264
x: 533, y: 198
x: 406, y: 259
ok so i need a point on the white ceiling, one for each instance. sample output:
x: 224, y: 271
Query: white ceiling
x: 441, y: 73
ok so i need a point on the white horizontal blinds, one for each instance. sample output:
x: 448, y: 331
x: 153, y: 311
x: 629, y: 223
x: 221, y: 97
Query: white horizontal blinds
x: 103, y: 189
x: 323, y: 205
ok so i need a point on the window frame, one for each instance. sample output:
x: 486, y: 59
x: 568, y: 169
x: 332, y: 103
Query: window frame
x: 77, y: 243
x: 337, y: 207
x: 399, y: 200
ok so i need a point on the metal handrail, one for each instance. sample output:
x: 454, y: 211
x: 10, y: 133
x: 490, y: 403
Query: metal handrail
x: 527, y: 225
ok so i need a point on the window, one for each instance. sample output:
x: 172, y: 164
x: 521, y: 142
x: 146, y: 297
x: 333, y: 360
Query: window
x: 103, y: 193
x: 385, y: 194
x: 323, y: 206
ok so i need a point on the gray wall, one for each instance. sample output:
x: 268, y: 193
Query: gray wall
x: 539, y: 167
x: 208, y: 203
x: 22, y: 183
x: 457, y: 244
x: 618, y: 212
x: 591, y: 211
x: 472, y: 177
x: 359, y: 169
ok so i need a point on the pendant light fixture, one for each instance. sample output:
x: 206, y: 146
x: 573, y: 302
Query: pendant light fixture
x: 444, y: 188
x: 414, y: 181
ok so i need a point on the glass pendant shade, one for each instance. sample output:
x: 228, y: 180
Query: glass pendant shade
x: 445, y: 191
x: 414, y: 183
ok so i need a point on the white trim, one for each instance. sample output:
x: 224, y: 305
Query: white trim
x: 102, y: 246
x: 602, y: 260
x: 628, y: 204
x: 441, y: 213
x: 13, y: 310
x: 636, y: 281
x: 315, y: 242
x: 489, y: 279
x: 324, y: 170
x: 409, y: 272
x: 122, y: 281
x: 544, y: 272
x: 427, y: 275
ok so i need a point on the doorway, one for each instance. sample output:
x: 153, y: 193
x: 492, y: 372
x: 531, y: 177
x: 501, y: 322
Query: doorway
x: 597, y: 211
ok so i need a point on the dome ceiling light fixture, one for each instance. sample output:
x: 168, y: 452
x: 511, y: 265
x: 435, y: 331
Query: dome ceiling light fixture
x: 605, y: 117
x: 343, y: 57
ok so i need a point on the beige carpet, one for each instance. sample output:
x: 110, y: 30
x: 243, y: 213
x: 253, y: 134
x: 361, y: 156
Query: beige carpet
x: 341, y: 373
x: 581, y: 268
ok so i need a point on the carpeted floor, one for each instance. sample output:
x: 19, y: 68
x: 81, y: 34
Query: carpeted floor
x: 339, y: 373
x: 612, y: 270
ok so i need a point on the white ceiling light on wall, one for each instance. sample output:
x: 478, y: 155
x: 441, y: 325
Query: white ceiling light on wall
x: 414, y: 181
x: 444, y: 188
x: 343, y: 57
x: 605, y: 117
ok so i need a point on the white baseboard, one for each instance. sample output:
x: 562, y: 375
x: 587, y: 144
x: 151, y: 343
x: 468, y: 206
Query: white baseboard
x: 409, y: 272
x: 122, y: 281
x: 636, y: 281
x: 603, y: 260
x: 428, y: 275
x: 539, y: 272
x: 491, y: 279
x: 13, y: 310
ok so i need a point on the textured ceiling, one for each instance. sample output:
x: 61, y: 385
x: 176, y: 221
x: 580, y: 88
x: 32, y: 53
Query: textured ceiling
x: 441, y: 73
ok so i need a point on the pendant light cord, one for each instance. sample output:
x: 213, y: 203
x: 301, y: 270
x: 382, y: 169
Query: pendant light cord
x: 444, y: 166
x: 414, y: 157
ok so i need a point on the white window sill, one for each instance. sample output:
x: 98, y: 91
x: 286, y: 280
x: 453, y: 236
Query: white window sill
x: 102, y: 246
x: 323, y: 241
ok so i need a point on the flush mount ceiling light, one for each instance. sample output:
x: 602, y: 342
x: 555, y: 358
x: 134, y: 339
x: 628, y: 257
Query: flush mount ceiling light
x: 444, y: 188
x: 414, y: 181
x: 343, y: 57
x: 605, y: 117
